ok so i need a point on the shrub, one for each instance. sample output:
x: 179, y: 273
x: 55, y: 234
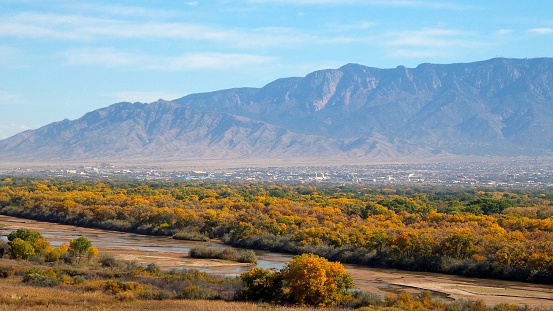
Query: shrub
x: 152, y: 268
x: 360, y: 298
x: 229, y: 254
x: 196, y: 292
x: 262, y: 285
x: 206, y: 252
x: 108, y: 261
x: 245, y: 256
x: 78, y: 279
x: 191, y: 235
x: 38, y: 277
x: 6, y: 271
x: 4, y: 248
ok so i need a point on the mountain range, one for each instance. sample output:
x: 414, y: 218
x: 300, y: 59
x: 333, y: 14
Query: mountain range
x: 497, y: 107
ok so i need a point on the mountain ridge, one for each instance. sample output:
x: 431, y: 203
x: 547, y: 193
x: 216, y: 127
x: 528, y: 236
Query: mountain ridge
x: 497, y: 107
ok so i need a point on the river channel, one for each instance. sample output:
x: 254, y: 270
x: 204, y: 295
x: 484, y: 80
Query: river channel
x: 170, y: 253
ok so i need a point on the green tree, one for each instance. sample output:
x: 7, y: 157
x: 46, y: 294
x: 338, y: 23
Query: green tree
x: 20, y: 249
x: 262, y: 285
x: 79, y: 247
x: 25, y: 234
x: 32, y: 238
x: 313, y: 280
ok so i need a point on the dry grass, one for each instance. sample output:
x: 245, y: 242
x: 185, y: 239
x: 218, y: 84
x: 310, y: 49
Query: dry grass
x: 91, y: 295
x: 17, y: 296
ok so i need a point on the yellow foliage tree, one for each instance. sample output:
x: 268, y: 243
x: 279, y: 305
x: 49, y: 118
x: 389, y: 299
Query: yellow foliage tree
x: 313, y: 280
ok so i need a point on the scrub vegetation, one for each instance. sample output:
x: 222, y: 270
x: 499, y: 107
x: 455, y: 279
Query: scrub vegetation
x: 495, y: 233
x: 484, y: 232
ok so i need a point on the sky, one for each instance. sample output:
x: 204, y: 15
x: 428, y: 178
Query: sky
x: 61, y: 59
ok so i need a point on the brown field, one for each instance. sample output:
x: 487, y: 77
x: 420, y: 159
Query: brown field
x: 379, y: 281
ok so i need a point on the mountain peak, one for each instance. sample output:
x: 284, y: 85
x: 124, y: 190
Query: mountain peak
x: 499, y: 106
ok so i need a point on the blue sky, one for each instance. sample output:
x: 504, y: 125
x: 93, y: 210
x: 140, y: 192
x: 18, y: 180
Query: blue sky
x: 61, y: 59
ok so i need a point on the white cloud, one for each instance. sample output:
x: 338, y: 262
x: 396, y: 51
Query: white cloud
x: 503, y: 32
x: 387, y: 3
x: 432, y: 38
x: 433, y: 43
x: 81, y: 28
x: 192, y: 61
x: 541, y: 31
x: 359, y: 26
x: 120, y: 10
x: 187, y: 61
x: 8, y: 130
x: 100, y: 56
x: 8, y: 98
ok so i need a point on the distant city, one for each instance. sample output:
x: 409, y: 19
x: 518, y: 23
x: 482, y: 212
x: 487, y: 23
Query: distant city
x: 513, y: 174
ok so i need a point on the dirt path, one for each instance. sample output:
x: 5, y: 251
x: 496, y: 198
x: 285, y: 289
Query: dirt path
x: 169, y: 253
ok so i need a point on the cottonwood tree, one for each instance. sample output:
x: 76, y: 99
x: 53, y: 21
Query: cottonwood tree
x: 313, y: 280
x: 79, y: 247
x: 306, y: 280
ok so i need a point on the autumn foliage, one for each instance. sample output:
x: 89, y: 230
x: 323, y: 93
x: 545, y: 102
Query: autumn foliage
x: 469, y: 231
x: 306, y: 280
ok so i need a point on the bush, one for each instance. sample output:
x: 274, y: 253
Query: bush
x: 78, y: 279
x: 360, y: 298
x: 244, y: 256
x: 191, y: 235
x: 262, y: 285
x: 38, y: 277
x: 108, y: 261
x: 206, y: 252
x: 247, y: 256
x: 6, y: 271
x: 4, y: 248
x: 152, y: 268
x: 196, y: 292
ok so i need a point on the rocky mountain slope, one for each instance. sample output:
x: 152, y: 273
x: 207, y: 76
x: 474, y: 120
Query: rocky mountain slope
x: 493, y: 107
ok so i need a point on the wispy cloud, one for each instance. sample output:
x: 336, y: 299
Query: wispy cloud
x: 541, y: 31
x: 431, y: 42
x: 359, y: 26
x: 120, y: 10
x: 430, y: 37
x: 100, y: 56
x: 83, y: 29
x: 193, y: 61
x: 188, y: 61
x: 9, y: 98
x: 8, y: 130
x: 503, y: 32
x: 386, y: 3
